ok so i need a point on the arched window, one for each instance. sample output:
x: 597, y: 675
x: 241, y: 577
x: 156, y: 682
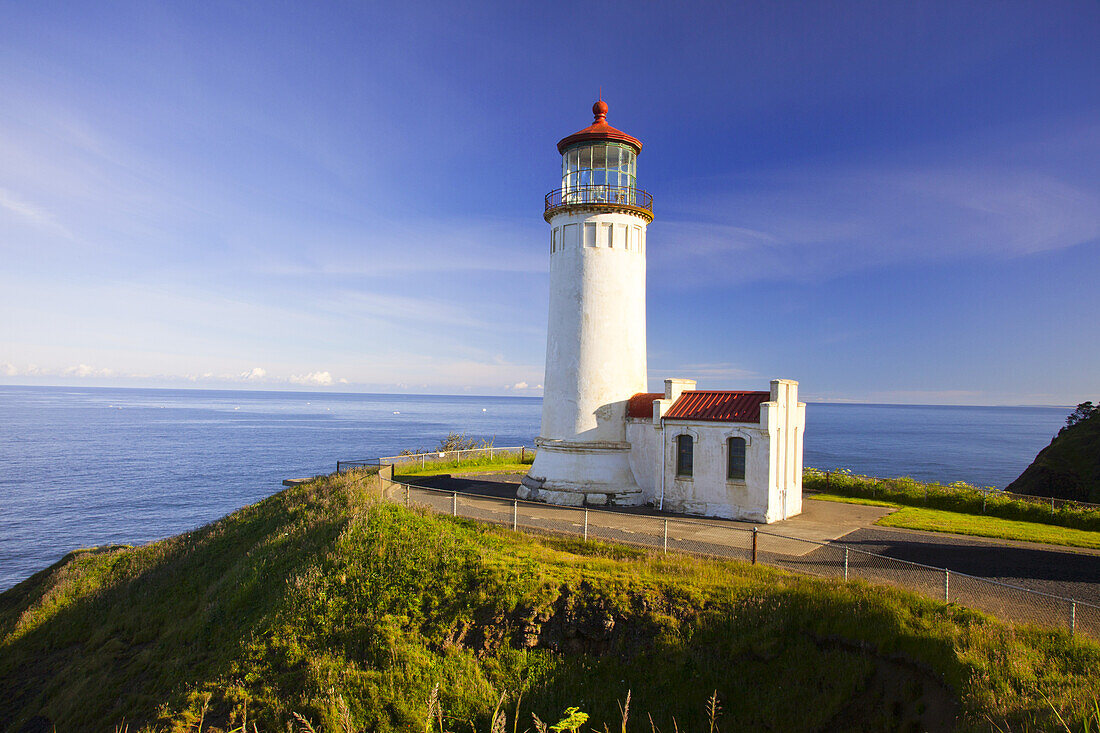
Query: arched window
x: 685, y: 449
x: 735, y: 458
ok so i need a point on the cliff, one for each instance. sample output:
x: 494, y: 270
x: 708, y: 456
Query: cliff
x: 325, y: 602
x: 1068, y: 468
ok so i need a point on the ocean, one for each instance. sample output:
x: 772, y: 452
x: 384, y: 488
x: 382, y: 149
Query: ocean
x: 81, y: 467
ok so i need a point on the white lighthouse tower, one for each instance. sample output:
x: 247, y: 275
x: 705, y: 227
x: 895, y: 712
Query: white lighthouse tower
x: 596, y: 337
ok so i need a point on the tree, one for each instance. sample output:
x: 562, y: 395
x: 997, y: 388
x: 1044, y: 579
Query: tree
x: 1084, y: 411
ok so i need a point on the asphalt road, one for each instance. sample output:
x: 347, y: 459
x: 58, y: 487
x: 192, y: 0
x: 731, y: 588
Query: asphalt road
x: 1035, y: 567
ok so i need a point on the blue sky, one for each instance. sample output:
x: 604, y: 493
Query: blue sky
x: 890, y: 202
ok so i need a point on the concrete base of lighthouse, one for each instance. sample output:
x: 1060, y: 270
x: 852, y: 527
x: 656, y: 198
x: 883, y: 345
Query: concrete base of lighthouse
x: 581, y: 474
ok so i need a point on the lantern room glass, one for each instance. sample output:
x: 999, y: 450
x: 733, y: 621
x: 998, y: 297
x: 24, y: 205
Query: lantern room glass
x: 603, y: 171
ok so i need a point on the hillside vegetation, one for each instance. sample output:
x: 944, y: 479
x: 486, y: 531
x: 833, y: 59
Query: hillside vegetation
x: 323, y: 602
x: 955, y: 497
x: 1068, y: 468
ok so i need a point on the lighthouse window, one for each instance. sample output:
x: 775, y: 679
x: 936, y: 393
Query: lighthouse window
x: 589, y: 235
x: 609, y: 164
x: 685, y: 455
x: 605, y: 236
x: 735, y: 459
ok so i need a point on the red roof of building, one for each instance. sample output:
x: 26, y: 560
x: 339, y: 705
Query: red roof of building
x: 599, y: 130
x: 641, y: 404
x: 718, y: 406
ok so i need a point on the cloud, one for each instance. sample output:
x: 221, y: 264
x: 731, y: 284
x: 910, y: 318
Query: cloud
x: 825, y: 219
x: 320, y: 379
x: 83, y: 370
x: 717, y: 370
x: 254, y: 374
x: 30, y: 213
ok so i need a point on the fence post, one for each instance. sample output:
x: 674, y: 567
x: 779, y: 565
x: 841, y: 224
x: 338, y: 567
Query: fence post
x: 454, y: 504
x: 338, y: 467
x: 515, y: 514
x: 406, y: 495
x: 1073, y: 617
x: 827, y: 481
x: 984, y: 494
x: 754, y: 545
x: 665, y: 549
x: 490, y: 453
x: 586, y: 524
x: 1052, y: 506
x: 845, y: 563
x: 946, y: 585
x: 522, y: 453
x: 423, y: 458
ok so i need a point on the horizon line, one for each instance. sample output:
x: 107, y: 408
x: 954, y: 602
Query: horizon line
x: 513, y: 396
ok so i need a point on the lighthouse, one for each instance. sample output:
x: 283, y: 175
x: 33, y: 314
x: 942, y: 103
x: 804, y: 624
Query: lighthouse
x: 604, y: 439
x: 596, y: 335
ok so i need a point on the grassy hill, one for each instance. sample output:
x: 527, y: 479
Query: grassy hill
x: 1068, y: 468
x: 323, y: 602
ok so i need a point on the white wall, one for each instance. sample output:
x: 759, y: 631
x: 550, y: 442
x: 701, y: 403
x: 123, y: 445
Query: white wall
x: 595, y: 359
x: 785, y: 419
x: 596, y: 335
x: 772, y: 487
x: 708, y: 492
x: 645, y: 456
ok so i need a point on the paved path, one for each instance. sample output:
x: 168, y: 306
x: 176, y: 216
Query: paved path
x: 820, y: 521
x: 1068, y: 572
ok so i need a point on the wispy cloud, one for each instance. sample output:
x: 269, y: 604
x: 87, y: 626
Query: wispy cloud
x: 711, y: 372
x: 829, y: 219
x: 31, y: 214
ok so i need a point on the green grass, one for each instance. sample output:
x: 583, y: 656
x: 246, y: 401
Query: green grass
x: 957, y: 497
x: 839, y: 499
x: 939, y: 520
x: 502, y: 462
x: 325, y: 602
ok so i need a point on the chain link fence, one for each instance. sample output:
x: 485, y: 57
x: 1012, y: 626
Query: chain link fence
x: 727, y: 542
x: 518, y: 453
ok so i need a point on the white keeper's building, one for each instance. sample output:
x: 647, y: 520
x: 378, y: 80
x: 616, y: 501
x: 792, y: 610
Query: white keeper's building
x: 606, y: 440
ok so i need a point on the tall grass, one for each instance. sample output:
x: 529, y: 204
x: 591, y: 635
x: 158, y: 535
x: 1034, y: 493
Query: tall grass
x: 324, y: 607
x: 955, y: 497
x: 433, y: 464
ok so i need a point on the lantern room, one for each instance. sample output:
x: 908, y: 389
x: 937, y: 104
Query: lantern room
x: 599, y: 168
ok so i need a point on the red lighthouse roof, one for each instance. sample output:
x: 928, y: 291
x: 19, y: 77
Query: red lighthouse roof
x: 599, y: 130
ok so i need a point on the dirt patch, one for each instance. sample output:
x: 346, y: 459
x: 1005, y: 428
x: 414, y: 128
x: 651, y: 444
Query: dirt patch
x: 898, y: 694
x: 578, y: 621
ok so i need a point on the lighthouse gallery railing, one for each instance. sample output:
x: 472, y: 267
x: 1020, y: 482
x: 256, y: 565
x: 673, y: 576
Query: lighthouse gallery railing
x: 600, y: 195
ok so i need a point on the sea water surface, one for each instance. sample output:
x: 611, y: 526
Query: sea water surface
x: 83, y: 467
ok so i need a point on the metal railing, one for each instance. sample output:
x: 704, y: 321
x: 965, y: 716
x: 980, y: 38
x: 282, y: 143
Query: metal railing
x: 727, y: 542
x: 599, y: 196
x: 423, y: 460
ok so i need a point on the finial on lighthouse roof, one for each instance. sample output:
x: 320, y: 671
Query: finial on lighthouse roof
x: 599, y: 130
